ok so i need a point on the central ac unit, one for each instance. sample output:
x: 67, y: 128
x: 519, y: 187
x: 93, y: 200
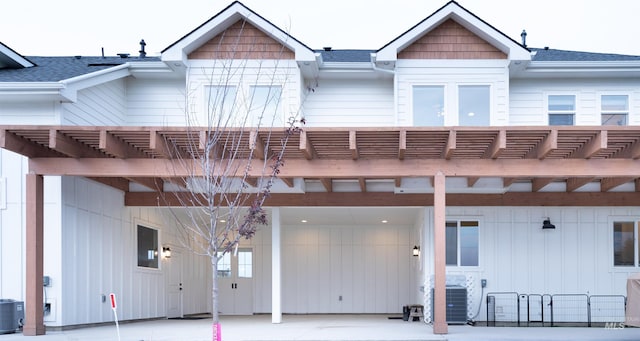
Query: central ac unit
x: 456, y: 301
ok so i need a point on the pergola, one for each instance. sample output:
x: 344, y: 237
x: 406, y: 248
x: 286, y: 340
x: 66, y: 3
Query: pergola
x: 117, y: 156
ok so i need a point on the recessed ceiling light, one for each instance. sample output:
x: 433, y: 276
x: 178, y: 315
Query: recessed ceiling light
x: 384, y: 221
x: 303, y: 220
x: 223, y: 221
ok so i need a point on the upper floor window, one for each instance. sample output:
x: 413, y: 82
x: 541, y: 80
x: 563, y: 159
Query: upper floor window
x: 462, y: 240
x: 221, y: 104
x: 474, y: 105
x: 614, y: 109
x: 265, y: 107
x: 625, y: 248
x: 428, y: 106
x: 562, y: 110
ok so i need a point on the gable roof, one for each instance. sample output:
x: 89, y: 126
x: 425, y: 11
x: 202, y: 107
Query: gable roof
x: 453, y: 10
x: 178, y: 51
x: 55, y: 69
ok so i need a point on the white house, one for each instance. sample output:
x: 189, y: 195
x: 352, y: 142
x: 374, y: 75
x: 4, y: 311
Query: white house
x: 453, y: 139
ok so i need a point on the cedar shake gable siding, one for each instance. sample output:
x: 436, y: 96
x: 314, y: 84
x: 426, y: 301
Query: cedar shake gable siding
x: 242, y: 41
x: 451, y: 40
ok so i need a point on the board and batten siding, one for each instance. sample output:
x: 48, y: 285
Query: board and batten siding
x: 347, y: 269
x: 517, y: 255
x: 528, y: 99
x: 350, y: 103
x: 99, y: 257
x: 451, y: 74
x: 13, y: 168
x: 103, y: 104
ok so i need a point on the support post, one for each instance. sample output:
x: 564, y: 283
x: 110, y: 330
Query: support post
x: 276, y: 271
x: 34, y: 318
x: 439, y: 269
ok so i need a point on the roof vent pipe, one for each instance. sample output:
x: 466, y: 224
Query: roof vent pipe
x: 523, y: 35
x: 328, y: 48
x: 142, y: 52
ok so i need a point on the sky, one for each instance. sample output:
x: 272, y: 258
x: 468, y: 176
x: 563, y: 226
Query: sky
x: 84, y: 27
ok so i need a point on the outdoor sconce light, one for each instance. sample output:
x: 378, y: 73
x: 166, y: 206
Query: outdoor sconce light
x: 546, y: 224
x: 416, y: 251
x: 166, y: 251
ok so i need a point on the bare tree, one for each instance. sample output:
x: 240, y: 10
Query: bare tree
x: 240, y: 141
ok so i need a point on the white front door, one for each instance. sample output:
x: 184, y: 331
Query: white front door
x: 235, y: 283
x: 174, y: 285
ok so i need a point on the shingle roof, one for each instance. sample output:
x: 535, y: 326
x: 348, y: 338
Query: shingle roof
x: 552, y: 55
x: 346, y: 56
x: 54, y: 69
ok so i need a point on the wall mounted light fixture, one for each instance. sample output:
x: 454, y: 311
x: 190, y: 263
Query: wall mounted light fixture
x: 416, y: 251
x: 166, y: 252
x: 546, y: 224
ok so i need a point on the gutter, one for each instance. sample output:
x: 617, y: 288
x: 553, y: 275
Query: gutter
x: 378, y: 69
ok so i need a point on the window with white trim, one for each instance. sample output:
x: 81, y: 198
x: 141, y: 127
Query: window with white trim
x: 614, y: 110
x: 147, y: 247
x: 428, y: 106
x: 625, y: 243
x: 474, y: 105
x: 561, y: 110
x: 462, y: 239
x: 265, y: 107
x: 220, y: 106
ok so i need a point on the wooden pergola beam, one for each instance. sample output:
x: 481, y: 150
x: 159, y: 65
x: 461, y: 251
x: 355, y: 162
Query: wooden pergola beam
x: 353, y: 144
x: 288, y: 181
x: 19, y: 145
x: 155, y: 184
x: 547, y: 145
x: 402, y: 144
x: 450, y: 148
x: 363, y: 184
x: 607, y: 184
x: 506, y: 182
x: 110, y: 144
x: 377, y: 199
x: 327, y: 183
x: 575, y: 183
x: 70, y: 147
x: 538, y: 183
x: 471, y: 181
x: 117, y: 183
x: 594, y: 146
x: 347, y: 169
x: 498, y: 145
x: 306, y: 147
x: 257, y: 146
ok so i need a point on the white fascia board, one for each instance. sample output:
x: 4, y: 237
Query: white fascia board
x: 13, y: 56
x: 179, y: 51
x: 582, y: 69
x: 595, y: 65
x: 19, y: 91
x: 72, y: 85
x: 464, y: 18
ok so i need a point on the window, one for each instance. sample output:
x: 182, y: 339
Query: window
x: 473, y: 105
x: 221, y: 104
x: 462, y: 243
x: 625, y: 248
x: 562, y: 110
x: 224, y: 265
x: 428, y: 106
x: 614, y: 109
x: 245, y: 263
x: 147, y: 247
x: 265, y: 109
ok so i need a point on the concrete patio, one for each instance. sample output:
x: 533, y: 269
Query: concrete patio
x: 320, y: 327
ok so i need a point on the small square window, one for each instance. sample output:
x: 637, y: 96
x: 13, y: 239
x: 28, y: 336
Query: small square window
x: 561, y: 110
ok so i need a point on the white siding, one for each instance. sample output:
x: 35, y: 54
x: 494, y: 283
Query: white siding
x: 369, y: 267
x: 102, y: 104
x: 30, y: 112
x: 155, y: 103
x: 350, y: 103
x: 517, y: 255
x: 98, y: 245
x: 451, y: 74
x: 528, y: 98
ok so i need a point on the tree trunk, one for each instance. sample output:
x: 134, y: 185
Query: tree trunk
x: 214, y: 298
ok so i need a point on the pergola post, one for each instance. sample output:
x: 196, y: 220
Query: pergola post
x: 34, y: 318
x: 276, y: 271
x: 439, y: 242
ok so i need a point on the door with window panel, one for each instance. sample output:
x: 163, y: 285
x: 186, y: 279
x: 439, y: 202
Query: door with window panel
x: 235, y: 282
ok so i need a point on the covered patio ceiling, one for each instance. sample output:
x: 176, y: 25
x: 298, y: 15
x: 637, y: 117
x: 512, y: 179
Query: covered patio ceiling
x: 376, y: 162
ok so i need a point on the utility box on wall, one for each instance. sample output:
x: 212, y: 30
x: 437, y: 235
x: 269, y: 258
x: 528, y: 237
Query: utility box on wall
x: 11, y: 315
x: 456, y: 298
